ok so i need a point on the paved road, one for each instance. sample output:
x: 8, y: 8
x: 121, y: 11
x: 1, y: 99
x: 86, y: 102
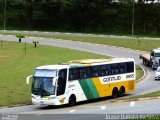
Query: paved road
x: 94, y: 111
x: 73, y: 34
x: 150, y: 106
x: 145, y: 86
x: 103, y: 107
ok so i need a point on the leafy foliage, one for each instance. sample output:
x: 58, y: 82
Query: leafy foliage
x: 20, y: 36
x: 82, y: 15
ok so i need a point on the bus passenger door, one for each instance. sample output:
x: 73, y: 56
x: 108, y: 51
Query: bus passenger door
x: 62, y: 82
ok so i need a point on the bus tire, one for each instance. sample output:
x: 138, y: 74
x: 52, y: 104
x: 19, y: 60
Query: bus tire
x: 114, y: 92
x: 72, y: 100
x: 121, y: 91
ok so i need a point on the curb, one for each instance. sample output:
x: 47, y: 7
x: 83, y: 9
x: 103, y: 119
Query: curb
x: 144, y: 74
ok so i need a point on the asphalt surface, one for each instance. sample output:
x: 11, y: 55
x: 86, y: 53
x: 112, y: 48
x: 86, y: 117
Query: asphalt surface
x: 100, y: 107
x: 73, y: 34
x: 94, y: 111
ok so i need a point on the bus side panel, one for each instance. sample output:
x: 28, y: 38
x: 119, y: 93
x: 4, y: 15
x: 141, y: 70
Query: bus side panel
x: 89, y: 88
x: 75, y: 88
x: 131, y: 86
x: 93, y: 88
x: 128, y: 85
x: 103, y: 89
x: 106, y: 89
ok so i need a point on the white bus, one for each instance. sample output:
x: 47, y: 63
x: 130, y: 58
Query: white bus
x: 82, y: 80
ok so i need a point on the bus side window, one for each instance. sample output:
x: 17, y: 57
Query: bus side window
x: 105, y: 70
x: 114, y: 69
x: 129, y: 67
x: 85, y: 73
x: 70, y: 74
x: 95, y: 70
x: 122, y: 68
x: 74, y: 74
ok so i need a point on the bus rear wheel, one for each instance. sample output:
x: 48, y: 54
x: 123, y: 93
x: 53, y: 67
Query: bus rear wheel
x: 121, y: 92
x: 115, y: 92
x: 72, y: 100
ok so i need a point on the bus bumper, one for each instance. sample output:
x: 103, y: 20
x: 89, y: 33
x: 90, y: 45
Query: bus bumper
x: 46, y: 101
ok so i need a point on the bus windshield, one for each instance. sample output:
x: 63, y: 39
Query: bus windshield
x: 43, y: 82
x: 43, y: 86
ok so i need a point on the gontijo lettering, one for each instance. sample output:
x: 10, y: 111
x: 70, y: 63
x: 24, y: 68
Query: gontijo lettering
x: 110, y: 79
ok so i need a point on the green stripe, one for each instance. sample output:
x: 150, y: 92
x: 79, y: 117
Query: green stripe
x: 92, y: 88
x: 89, y: 88
x: 86, y: 89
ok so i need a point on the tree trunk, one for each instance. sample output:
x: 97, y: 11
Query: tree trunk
x: 19, y: 40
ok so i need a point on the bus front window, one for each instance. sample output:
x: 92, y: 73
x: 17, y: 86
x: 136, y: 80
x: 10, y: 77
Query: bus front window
x: 43, y: 86
x: 48, y: 88
x: 43, y: 82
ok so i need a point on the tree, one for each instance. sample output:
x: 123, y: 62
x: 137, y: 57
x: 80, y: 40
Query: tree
x: 20, y: 36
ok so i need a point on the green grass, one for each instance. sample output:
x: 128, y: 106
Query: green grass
x: 137, y: 44
x: 15, y: 66
x: 153, y: 94
x: 139, y: 72
x: 148, y: 95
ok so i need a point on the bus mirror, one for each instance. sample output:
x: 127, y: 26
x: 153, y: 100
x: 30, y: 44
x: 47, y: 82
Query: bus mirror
x: 55, y: 81
x: 27, y: 79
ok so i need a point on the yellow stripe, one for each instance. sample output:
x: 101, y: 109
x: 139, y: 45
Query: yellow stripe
x: 86, y: 65
x: 101, y: 88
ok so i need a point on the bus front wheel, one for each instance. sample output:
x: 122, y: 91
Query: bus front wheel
x: 115, y: 92
x: 72, y: 100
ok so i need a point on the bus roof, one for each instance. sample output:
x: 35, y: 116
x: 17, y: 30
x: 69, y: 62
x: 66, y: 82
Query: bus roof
x: 85, y: 62
x: 99, y: 61
x: 53, y: 67
x: 90, y: 61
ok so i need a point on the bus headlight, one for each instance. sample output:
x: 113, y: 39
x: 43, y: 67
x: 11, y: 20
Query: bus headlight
x: 49, y: 98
